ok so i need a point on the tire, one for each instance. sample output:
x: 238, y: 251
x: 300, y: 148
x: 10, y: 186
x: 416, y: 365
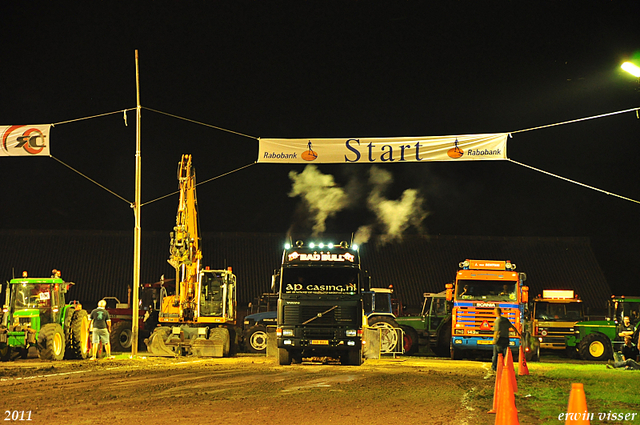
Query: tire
x: 410, y: 340
x: 455, y: 353
x: 284, y: 357
x: 352, y: 358
x: 51, y: 342
x: 443, y: 344
x: 121, y: 337
x: 388, y: 333
x: 595, y: 347
x: 5, y: 353
x: 256, y: 341
x: 77, y: 335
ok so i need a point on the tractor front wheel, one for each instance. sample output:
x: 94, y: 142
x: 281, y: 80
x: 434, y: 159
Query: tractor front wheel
x: 595, y: 347
x: 51, y: 342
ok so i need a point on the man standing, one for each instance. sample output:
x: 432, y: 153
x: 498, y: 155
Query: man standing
x: 501, y: 327
x: 100, y: 325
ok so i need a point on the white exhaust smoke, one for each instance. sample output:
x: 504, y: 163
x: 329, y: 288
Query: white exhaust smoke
x: 320, y: 193
x: 324, y: 199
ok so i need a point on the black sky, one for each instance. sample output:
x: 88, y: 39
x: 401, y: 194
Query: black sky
x: 328, y: 69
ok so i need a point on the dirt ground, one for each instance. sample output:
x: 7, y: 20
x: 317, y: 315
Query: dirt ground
x: 248, y: 389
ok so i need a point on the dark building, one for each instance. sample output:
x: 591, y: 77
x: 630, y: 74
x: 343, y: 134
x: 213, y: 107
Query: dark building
x: 101, y: 263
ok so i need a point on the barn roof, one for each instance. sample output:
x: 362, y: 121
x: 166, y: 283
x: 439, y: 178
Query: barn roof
x: 101, y: 262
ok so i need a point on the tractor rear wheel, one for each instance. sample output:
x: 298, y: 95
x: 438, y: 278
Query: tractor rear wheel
x: 121, y: 337
x: 51, y: 342
x: 443, y: 342
x: 77, y: 342
x: 410, y: 340
x: 388, y: 332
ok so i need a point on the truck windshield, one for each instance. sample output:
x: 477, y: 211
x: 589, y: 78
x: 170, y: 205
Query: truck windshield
x: 31, y: 296
x: 319, y: 280
x: 485, y: 290
x: 570, y: 312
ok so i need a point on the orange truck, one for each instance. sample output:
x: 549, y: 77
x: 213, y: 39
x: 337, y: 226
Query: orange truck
x: 480, y: 287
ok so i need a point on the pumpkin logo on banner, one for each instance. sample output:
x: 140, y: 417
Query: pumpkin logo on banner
x: 309, y: 155
x: 31, y: 140
x: 455, y: 152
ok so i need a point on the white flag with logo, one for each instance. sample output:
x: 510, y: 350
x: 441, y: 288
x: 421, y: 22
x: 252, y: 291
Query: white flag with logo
x: 466, y: 147
x: 25, y: 140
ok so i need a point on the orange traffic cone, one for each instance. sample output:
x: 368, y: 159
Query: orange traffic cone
x: 522, y: 363
x: 496, y: 389
x: 511, y: 371
x: 507, y: 413
x: 577, y: 411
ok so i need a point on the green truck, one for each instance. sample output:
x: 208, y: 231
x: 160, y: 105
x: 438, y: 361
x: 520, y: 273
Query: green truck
x: 36, y: 315
x: 431, y: 330
x: 596, y: 340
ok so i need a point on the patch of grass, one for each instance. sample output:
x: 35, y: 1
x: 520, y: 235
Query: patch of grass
x: 546, y: 391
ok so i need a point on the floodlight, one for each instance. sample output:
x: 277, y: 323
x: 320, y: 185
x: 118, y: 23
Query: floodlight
x: 631, y: 69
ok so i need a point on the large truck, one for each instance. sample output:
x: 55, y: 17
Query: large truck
x: 200, y: 318
x: 596, y: 340
x: 431, y: 330
x: 37, y: 315
x: 553, y: 316
x: 320, y: 303
x: 480, y: 287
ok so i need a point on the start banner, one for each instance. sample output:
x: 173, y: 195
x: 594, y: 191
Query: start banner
x: 25, y: 140
x: 467, y: 147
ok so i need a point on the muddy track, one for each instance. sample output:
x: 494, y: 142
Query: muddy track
x: 248, y: 389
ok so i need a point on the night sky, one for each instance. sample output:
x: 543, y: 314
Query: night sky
x: 315, y: 69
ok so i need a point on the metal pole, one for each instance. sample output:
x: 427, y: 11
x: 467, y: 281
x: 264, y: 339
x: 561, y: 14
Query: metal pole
x: 137, y: 230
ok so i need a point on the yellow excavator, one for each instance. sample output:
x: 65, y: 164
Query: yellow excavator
x: 199, y: 319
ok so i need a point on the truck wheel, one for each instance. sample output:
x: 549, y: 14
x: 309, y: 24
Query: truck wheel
x: 596, y: 347
x: 121, y: 337
x: 443, y: 344
x: 388, y: 334
x: 410, y: 340
x: 5, y: 352
x: 51, y: 342
x: 352, y: 357
x: 284, y: 357
x: 256, y: 341
x: 77, y: 343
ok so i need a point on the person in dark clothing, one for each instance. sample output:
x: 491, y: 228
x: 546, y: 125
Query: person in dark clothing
x: 630, y: 356
x: 100, y: 326
x: 501, y: 327
x: 626, y: 328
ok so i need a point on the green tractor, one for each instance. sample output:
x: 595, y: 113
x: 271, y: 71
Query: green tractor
x: 36, y: 315
x: 596, y: 340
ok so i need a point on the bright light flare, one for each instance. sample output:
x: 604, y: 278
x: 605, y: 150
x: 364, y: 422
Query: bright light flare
x: 631, y: 69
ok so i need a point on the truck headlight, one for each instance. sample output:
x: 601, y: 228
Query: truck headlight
x: 351, y: 332
x: 287, y: 332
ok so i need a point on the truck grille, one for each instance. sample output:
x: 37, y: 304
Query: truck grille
x: 472, y: 318
x: 341, y: 315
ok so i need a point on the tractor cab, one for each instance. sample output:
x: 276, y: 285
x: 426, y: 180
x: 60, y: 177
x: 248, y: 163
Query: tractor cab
x: 36, y: 302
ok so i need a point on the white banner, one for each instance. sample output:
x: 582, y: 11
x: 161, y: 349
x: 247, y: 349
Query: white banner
x: 467, y: 147
x: 25, y: 140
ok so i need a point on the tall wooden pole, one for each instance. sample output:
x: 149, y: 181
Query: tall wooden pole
x: 137, y: 231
